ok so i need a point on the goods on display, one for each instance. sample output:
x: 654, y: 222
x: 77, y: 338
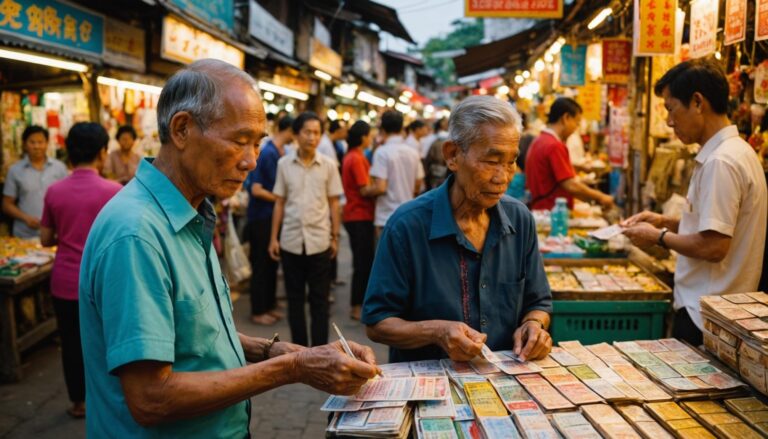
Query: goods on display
x: 618, y: 390
x: 19, y: 256
x: 734, y: 331
x: 602, y: 278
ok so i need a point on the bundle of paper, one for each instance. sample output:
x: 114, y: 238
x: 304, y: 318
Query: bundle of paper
x: 457, y: 368
x: 609, y: 423
x: 596, y: 380
x: 679, y: 369
x: 642, y: 422
x: 427, y: 368
x: 753, y: 411
x: 533, y: 424
x: 468, y: 430
x: 715, y: 417
x: 500, y: 427
x: 405, y: 389
x: 435, y: 428
x: 511, y: 392
x: 570, y: 386
x: 573, y: 425
x: 436, y: 409
x: 543, y: 392
x: 677, y: 420
x: 577, y: 350
x: 396, y: 370
x: 393, y: 422
x: 484, y: 401
x: 741, y: 314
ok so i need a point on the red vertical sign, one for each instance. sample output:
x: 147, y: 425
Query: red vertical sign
x: 617, y: 60
x: 735, y: 21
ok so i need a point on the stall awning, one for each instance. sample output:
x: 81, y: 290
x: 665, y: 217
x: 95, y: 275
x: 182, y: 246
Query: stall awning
x: 501, y: 53
x: 366, y: 10
x: 403, y: 57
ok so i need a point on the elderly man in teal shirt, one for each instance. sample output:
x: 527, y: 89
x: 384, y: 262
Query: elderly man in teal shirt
x: 162, y: 355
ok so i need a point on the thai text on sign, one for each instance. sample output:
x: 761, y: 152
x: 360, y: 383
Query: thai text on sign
x: 654, y: 27
x: 514, y: 8
x: 735, y: 21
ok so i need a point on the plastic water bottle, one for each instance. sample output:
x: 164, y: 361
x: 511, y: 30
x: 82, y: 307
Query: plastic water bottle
x: 559, y: 218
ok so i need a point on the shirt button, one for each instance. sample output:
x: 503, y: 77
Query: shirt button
x: 483, y: 322
x: 482, y: 285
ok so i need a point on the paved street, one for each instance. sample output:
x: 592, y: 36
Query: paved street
x: 35, y: 407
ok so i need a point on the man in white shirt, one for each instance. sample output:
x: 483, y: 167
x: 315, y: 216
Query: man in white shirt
x: 307, y: 191
x: 332, y: 143
x: 396, y: 173
x: 440, y: 132
x: 417, y: 131
x: 721, y: 235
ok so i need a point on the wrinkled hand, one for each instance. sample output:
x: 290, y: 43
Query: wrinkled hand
x: 334, y: 248
x: 329, y: 369
x: 282, y: 348
x: 32, y: 222
x: 643, y: 235
x: 532, y: 342
x: 652, y: 218
x: 274, y: 250
x: 459, y: 341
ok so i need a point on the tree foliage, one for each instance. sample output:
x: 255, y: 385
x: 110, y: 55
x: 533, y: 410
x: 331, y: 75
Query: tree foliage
x: 465, y: 33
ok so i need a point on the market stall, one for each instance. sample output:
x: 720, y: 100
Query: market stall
x: 26, y: 314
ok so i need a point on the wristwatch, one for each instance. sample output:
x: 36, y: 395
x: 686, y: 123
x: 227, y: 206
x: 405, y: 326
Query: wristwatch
x: 661, y: 238
x: 534, y: 320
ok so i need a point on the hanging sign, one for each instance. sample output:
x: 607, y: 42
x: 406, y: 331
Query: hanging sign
x: 220, y: 13
x: 703, y: 27
x: 618, y: 136
x: 124, y: 45
x: 590, y: 98
x: 514, y: 8
x: 574, y: 65
x: 617, y: 60
x: 761, y: 83
x: 325, y: 59
x: 659, y: 127
x: 185, y: 44
x: 269, y: 30
x: 654, y: 27
x: 761, y: 20
x: 735, y: 21
x: 54, y: 23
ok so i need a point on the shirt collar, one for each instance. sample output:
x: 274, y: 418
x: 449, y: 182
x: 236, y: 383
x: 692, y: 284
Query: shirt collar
x: 715, y: 141
x: 552, y: 133
x: 296, y: 159
x: 394, y: 139
x: 27, y: 163
x: 175, y: 207
x: 443, y: 223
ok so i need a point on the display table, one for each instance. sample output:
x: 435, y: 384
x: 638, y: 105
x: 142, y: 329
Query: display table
x: 26, y: 317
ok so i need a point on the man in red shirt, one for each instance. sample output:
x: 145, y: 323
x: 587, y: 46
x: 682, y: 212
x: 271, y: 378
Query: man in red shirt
x: 549, y: 173
x: 359, y: 211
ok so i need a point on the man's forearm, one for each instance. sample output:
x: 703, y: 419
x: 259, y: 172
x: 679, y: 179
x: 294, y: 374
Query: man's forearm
x: 277, y: 218
x: 185, y: 395
x: 335, y: 216
x: 402, y: 334
x: 705, y: 246
x: 670, y: 223
x: 259, y: 192
x: 13, y: 211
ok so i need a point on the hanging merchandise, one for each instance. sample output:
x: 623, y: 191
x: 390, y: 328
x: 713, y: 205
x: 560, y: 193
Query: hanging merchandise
x: 761, y: 83
x: 573, y: 60
x: 654, y: 27
x: 703, y: 27
x: 735, y: 21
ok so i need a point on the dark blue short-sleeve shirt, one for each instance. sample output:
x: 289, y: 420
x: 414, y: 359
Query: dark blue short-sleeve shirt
x: 417, y: 273
x: 265, y: 174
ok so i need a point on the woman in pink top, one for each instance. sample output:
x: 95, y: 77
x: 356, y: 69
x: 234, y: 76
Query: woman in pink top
x: 69, y: 209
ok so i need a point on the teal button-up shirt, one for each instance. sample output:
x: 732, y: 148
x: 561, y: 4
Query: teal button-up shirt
x: 151, y: 289
x: 424, y: 263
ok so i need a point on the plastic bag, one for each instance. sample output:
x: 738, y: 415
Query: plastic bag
x: 237, y: 265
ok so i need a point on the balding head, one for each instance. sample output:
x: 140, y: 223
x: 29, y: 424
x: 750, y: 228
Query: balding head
x: 199, y: 90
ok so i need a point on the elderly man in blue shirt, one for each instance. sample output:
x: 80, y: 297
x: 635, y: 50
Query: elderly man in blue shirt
x: 460, y: 265
x: 161, y: 352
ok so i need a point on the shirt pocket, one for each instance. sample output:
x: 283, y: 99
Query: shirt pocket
x: 196, y: 327
x: 511, y: 298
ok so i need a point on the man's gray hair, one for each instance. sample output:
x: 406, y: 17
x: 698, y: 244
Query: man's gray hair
x: 197, y: 89
x: 476, y: 111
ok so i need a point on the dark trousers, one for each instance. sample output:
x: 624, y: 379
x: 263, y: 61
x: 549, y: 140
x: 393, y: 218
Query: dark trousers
x: 685, y: 329
x: 264, y: 277
x: 300, y: 272
x: 362, y: 240
x: 68, y: 320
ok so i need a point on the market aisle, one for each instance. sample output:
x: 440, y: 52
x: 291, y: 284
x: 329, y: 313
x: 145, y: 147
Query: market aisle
x: 35, y: 407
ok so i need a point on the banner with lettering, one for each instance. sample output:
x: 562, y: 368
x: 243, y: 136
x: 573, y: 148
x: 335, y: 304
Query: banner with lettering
x: 654, y: 27
x: 617, y: 60
x: 573, y: 65
x: 761, y: 20
x: 514, y: 8
x: 735, y: 21
x: 703, y: 37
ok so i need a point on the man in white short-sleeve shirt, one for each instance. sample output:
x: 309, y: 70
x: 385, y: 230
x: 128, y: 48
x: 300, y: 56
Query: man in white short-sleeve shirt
x: 307, y: 188
x: 397, y: 172
x: 721, y: 235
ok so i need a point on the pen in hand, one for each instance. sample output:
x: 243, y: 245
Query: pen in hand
x: 344, y: 343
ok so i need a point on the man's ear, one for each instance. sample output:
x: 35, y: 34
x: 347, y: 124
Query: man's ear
x: 698, y: 101
x: 181, y: 124
x: 451, y: 152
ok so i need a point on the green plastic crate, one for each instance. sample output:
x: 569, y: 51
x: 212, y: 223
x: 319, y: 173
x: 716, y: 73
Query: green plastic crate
x: 592, y: 322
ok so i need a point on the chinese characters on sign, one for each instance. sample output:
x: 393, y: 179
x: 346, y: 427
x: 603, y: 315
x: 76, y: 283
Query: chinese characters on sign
x: 220, y: 13
x: 590, y: 98
x: 761, y: 20
x: 514, y: 8
x: 574, y: 62
x: 703, y: 27
x: 654, y: 27
x: 183, y: 43
x: 618, y: 136
x: 51, y: 22
x: 735, y: 21
x: 617, y: 60
x: 124, y: 45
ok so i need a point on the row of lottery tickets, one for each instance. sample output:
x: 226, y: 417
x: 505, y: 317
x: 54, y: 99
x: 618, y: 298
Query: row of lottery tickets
x: 603, y: 390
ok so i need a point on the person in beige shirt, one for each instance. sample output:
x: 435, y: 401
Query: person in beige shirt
x: 122, y: 163
x: 721, y: 234
x: 307, y: 191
